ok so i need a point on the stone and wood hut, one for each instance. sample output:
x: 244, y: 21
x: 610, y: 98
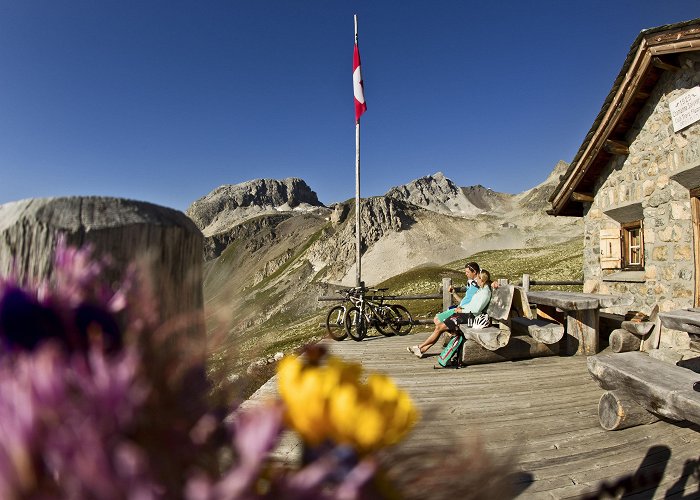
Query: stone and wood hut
x: 636, y: 179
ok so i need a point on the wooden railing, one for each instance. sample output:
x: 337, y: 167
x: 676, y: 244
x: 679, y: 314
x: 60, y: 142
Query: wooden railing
x: 526, y: 282
x: 446, y: 296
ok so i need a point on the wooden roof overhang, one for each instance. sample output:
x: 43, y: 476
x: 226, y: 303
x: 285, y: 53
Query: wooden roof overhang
x: 653, y: 52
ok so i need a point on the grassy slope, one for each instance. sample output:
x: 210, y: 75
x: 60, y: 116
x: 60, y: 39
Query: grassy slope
x: 563, y: 261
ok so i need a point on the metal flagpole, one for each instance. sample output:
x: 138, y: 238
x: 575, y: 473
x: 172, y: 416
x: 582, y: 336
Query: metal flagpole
x: 358, y: 261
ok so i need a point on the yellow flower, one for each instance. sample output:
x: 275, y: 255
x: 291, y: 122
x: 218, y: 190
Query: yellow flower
x: 330, y: 402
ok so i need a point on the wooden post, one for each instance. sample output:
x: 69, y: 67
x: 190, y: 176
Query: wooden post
x: 582, y: 331
x: 446, y: 295
x: 623, y: 341
x: 526, y: 282
x: 619, y: 411
x: 166, y: 241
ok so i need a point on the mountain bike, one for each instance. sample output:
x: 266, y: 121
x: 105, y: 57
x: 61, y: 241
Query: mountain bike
x: 370, y: 311
x: 335, y: 319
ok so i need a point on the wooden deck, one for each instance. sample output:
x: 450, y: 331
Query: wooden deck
x: 542, y: 411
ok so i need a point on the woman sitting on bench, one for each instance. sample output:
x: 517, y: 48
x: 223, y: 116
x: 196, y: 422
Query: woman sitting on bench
x: 462, y: 314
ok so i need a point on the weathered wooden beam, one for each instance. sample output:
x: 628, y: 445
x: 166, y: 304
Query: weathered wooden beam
x: 517, y: 348
x: 665, y: 65
x: 585, y: 197
x: 565, y: 301
x: 164, y: 241
x: 659, y: 387
x: 521, y: 304
x: 446, y: 294
x: 501, y: 301
x: 680, y: 319
x: 617, y: 410
x: 491, y: 338
x: 547, y: 332
x: 582, y: 332
x: 640, y: 328
x: 616, y: 147
x: 339, y: 298
x: 612, y: 300
x: 622, y: 340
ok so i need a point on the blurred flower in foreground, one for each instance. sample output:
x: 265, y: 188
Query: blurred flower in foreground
x: 99, y: 398
x: 329, y: 402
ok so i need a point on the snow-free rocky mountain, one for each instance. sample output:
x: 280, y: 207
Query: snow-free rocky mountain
x: 273, y: 243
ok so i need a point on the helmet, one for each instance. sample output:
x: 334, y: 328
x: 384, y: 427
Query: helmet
x: 481, y: 321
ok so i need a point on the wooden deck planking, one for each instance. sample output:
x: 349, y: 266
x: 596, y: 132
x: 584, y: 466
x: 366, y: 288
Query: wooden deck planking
x: 543, y: 410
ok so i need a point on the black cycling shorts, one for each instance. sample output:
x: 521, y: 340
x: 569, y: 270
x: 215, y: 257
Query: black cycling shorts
x: 452, y: 323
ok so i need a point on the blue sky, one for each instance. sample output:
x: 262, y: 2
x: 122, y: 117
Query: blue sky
x: 164, y: 101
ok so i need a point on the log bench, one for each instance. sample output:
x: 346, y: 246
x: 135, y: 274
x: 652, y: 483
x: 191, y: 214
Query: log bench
x: 637, y: 335
x: 547, y: 332
x: 512, y: 336
x: 640, y: 388
x: 493, y: 337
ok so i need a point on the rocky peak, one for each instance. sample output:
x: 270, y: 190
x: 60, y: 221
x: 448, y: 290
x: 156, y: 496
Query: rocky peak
x: 537, y: 198
x: 437, y: 193
x: 487, y: 199
x: 232, y: 202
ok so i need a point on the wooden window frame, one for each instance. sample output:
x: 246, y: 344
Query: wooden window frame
x: 695, y: 214
x: 625, y: 231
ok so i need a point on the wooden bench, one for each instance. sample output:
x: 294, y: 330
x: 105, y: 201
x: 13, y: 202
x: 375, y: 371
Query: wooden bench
x: 493, y: 337
x: 541, y: 330
x: 641, y: 388
x: 515, y: 333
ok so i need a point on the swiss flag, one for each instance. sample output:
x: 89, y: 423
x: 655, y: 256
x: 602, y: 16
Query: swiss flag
x: 358, y: 87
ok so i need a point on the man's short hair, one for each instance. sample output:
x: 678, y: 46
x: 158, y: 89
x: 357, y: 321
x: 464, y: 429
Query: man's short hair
x: 473, y: 267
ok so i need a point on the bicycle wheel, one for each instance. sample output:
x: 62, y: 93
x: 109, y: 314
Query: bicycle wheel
x: 405, y: 320
x: 335, y: 323
x: 355, y: 324
x: 386, y: 317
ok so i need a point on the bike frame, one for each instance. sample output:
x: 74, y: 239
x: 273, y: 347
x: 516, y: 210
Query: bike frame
x: 368, y: 308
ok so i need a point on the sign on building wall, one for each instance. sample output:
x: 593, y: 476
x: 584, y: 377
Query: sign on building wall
x: 685, y: 110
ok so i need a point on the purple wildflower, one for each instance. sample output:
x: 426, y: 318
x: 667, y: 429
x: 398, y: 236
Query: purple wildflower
x: 100, y: 400
x: 24, y: 322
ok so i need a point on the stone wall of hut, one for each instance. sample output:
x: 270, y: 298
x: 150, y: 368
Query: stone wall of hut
x: 655, y: 179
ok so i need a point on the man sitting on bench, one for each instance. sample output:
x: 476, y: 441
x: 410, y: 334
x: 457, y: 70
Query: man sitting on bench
x: 477, y: 304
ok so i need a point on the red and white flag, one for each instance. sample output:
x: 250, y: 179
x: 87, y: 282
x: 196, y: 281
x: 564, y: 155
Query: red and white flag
x: 358, y: 86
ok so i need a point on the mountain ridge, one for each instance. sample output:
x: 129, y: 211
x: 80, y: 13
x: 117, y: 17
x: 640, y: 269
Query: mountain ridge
x: 218, y: 210
x: 267, y: 264
x: 288, y: 253
x: 430, y: 219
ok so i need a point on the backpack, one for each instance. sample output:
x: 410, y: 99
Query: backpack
x: 451, y: 354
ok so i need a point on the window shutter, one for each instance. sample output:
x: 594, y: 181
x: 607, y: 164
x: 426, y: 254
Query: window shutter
x: 610, y: 251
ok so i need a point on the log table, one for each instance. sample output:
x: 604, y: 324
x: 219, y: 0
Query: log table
x: 685, y: 320
x: 582, y: 314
